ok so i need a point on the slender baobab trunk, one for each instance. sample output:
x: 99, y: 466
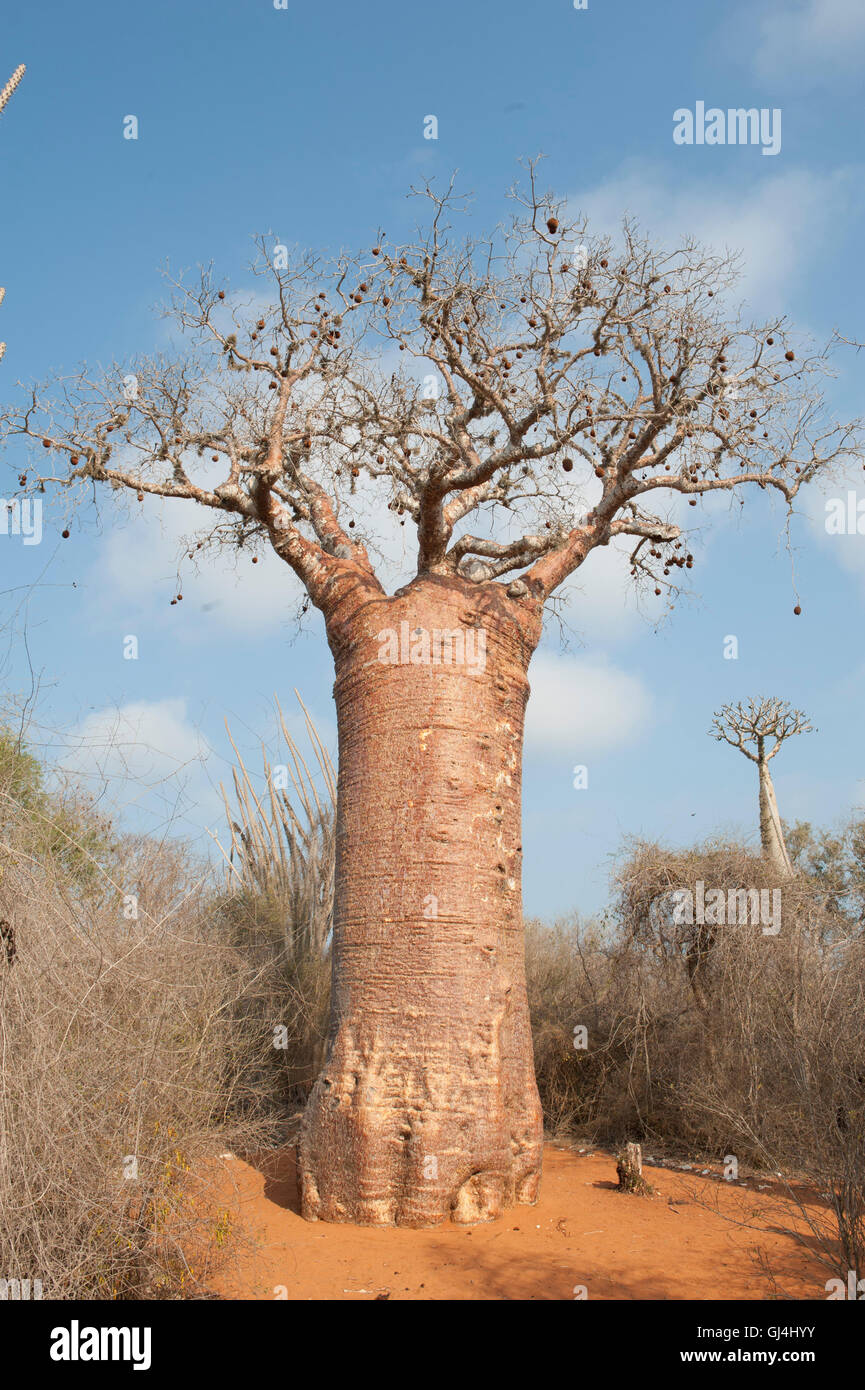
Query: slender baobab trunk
x: 427, y: 1107
x: 771, y: 834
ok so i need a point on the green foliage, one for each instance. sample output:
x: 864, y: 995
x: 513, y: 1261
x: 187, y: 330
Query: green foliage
x: 20, y: 775
x: 834, y: 860
x: 53, y: 828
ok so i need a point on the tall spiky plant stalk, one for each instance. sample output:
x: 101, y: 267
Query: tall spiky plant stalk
x: 282, y: 840
x: 5, y: 94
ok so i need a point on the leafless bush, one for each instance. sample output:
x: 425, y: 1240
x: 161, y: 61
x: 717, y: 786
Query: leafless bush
x: 789, y: 1087
x: 579, y: 980
x: 147, y: 1013
x: 122, y: 1073
x: 741, y: 1036
x: 622, y: 1077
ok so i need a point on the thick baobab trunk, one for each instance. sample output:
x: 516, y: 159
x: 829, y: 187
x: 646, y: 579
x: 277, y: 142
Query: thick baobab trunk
x: 771, y: 833
x: 427, y: 1109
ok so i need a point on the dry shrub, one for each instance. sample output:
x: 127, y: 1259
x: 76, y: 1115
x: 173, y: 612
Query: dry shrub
x: 577, y: 979
x: 716, y: 1039
x: 118, y: 1058
x: 153, y: 1037
x: 756, y: 993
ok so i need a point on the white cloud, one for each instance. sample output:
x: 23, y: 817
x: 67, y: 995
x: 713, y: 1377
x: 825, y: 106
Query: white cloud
x: 145, y: 754
x: 808, y: 36
x: 841, y: 503
x: 776, y: 223
x: 142, y: 559
x: 579, y: 706
x: 149, y: 767
x: 600, y: 599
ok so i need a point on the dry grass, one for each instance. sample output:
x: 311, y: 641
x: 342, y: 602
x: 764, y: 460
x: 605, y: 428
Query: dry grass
x: 120, y: 1070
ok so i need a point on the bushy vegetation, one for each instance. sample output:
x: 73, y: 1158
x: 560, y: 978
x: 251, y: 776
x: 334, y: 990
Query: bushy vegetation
x: 123, y: 1068
x: 709, y: 1040
x: 153, y: 1011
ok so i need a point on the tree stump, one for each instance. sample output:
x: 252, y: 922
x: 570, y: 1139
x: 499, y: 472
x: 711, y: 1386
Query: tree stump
x: 630, y: 1170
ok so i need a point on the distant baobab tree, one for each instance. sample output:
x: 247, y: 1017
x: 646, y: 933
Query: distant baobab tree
x: 758, y: 730
x: 5, y: 94
x: 553, y: 387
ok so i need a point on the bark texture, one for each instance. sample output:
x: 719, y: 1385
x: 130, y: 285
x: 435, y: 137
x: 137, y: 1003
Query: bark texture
x: 427, y: 1108
x: 771, y: 833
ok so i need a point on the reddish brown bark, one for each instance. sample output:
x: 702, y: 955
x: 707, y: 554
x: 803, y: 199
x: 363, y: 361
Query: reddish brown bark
x: 427, y: 1109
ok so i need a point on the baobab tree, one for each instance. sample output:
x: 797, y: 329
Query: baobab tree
x: 558, y: 389
x: 5, y: 94
x: 758, y: 729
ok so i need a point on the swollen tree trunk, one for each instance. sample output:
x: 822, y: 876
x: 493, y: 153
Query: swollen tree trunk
x: 771, y: 833
x: 427, y: 1108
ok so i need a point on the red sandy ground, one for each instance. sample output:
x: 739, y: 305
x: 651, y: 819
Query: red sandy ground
x: 676, y: 1244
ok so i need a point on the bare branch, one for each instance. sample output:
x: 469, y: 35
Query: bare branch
x: 748, y: 726
x: 540, y: 371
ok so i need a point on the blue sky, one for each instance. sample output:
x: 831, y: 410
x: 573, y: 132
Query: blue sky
x: 308, y: 122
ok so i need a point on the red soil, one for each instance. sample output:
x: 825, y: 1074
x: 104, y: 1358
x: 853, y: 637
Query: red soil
x: 681, y: 1243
